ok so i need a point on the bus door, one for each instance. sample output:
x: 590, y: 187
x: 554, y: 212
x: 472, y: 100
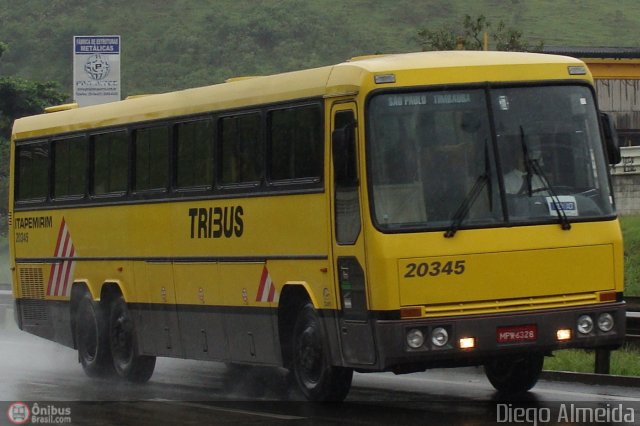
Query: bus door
x: 348, y: 239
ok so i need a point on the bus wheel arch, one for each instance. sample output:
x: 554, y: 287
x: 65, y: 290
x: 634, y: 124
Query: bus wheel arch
x: 292, y: 298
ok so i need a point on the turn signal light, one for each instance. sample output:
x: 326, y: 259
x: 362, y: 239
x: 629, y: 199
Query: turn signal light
x: 608, y: 296
x: 411, y: 312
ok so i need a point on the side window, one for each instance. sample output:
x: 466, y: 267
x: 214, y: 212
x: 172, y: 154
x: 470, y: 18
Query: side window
x: 194, y: 154
x: 242, y: 152
x: 346, y: 201
x: 70, y: 167
x: 32, y: 177
x: 151, y: 166
x: 295, y: 135
x: 110, y: 163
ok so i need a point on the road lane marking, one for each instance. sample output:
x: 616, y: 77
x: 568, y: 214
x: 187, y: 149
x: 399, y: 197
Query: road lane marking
x: 232, y: 410
x: 50, y: 385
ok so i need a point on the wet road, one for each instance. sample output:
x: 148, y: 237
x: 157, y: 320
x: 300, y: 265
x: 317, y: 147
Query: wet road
x: 49, y: 380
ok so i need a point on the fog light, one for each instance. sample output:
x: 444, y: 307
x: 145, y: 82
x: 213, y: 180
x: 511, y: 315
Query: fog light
x: 605, y: 322
x: 585, y: 324
x: 415, y: 338
x: 439, y: 337
x: 467, y: 343
x: 563, y: 334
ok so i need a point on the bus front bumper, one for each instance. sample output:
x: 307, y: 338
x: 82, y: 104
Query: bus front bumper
x: 416, y: 344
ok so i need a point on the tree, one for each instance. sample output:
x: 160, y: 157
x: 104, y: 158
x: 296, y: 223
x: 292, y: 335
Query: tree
x: 471, y: 36
x: 19, y: 98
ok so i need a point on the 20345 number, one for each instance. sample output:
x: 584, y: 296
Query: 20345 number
x: 435, y: 268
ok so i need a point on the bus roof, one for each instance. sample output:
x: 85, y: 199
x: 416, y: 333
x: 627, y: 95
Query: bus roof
x: 346, y: 78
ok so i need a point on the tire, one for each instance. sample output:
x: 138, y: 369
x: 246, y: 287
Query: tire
x: 127, y: 363
x: 92, y: 339
x: 515, y: 374
x: 313, y: 373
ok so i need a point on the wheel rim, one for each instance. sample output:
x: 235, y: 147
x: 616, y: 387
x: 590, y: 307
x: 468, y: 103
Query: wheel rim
x: 310, y: 356
x: 88, y: 333
x: 121, y: 339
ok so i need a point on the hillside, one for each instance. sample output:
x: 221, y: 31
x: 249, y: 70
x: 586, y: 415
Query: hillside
x: 176, y: 44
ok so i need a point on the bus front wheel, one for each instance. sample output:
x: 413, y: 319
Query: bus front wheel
x: 315, y: 376
x: 92, y: 338
x: 514, y: 374
x: 126, y: 360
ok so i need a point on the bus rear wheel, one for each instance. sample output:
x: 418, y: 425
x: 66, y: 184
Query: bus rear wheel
x: 126, y: 360
x: 313, y: 373
x: 92, y: 338
x: 514, y: 374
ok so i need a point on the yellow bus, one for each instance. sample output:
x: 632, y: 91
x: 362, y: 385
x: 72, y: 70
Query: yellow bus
x: 390, y: 213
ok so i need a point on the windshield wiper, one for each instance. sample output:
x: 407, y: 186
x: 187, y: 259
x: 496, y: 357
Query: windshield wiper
x: 466, y: 205
x: 533, y: 165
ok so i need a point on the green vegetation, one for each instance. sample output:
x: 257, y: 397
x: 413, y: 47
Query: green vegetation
x: 631, y: 233
x: 624, y: 362
x: 177, y: 44
x: 18, y: 98
x: 471, y: 36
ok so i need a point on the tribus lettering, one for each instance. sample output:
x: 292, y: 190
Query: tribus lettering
x: 216, y: 222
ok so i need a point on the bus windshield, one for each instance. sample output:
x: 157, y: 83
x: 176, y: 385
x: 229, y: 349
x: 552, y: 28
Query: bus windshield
x: 485, y: 157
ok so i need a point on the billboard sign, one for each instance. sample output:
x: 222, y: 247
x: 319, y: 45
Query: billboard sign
x: 96, y: 69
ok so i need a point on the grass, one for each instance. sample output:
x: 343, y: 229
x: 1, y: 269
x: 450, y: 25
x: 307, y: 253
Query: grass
x: 624, y: 362
x: 631, y: 233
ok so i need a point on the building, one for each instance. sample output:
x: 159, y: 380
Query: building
x: 617, y: 75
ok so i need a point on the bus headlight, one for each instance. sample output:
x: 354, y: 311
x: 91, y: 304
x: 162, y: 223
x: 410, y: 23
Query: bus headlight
x: 439, y: 337
x: 415, y: 338
x: 585, y: 324
x: 605, y: 322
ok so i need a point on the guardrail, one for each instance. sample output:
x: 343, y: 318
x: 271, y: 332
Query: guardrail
x: 630, y: 163
x: 632, y: 335
x: 633, y: 320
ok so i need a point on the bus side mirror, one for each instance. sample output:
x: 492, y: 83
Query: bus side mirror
x: 345, y: 166
x: 611, y: 138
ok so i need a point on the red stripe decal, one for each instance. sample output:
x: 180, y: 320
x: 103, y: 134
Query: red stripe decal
x: 68, y: 266
x: 55, y: 254
x: 272, y: 292
x: 263, y: 280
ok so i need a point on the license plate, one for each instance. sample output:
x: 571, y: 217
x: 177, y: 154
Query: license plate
x: 517, y: 334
